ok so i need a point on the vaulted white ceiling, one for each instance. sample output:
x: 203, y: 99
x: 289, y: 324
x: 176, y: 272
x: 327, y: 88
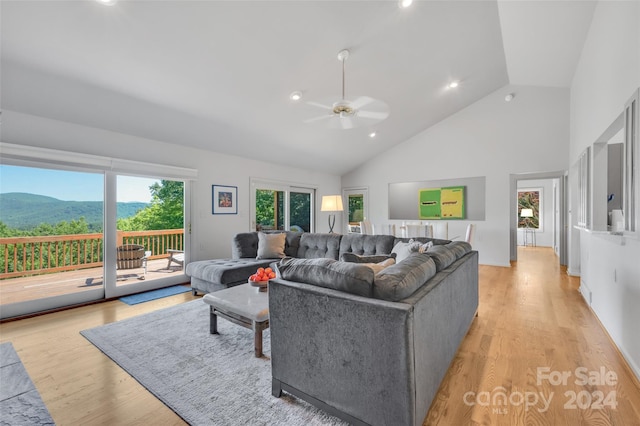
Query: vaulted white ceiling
x: 217, y: 74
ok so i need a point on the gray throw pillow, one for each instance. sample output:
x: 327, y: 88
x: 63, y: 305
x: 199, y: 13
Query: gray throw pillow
x: 328, y: 273
x: 360, y: 258
x: 270, y: 246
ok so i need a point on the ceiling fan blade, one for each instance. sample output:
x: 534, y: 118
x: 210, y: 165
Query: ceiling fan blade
x: 322, y: 117
x: 319, y: 105
x: 346, y: 123
x: 373, y: 115
x: 361, y: 102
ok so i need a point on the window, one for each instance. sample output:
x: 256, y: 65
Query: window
x: 356, y: 205
x: 278, y: 206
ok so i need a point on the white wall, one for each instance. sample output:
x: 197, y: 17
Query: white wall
x: 490, y: 138
x: 607, y: 74
x: 544, y: 236
x: 211, y: 235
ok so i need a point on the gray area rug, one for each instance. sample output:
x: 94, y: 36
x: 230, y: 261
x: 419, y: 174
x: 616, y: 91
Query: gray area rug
x: 20, y: 402
x: 206, y: 379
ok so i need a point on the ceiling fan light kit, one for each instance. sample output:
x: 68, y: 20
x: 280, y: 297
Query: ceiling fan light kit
x: 345, y: 114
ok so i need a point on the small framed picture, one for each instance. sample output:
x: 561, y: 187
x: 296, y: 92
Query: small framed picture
x: 224, y: 199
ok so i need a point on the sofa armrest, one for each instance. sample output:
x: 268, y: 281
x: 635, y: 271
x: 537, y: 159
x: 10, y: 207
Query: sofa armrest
x: 352, y: 353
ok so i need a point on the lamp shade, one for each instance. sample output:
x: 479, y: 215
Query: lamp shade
x: 526, y: 213
x: 331, y: 203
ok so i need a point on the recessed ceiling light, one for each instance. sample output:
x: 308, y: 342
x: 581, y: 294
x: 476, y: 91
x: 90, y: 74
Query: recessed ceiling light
x: 372, y: 134
x: 295, y: 96
x: 509, y: 97
x: 453, y: 84
x: 107, y: 2
x: 405, y: 3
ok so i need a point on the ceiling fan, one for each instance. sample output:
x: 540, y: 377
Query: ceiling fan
x: 345, y: 114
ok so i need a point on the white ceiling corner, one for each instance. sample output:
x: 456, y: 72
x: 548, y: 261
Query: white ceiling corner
x: 543, y: 39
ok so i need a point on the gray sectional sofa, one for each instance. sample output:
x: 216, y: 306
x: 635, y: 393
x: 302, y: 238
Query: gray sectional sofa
x: 212, y: 275
x: 371, y: 348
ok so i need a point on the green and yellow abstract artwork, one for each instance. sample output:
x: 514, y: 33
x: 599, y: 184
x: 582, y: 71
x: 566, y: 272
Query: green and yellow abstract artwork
x: 441, y: 203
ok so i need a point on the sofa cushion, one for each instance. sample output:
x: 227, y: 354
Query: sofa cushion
x: 401, y: 280
x: 319, y: 245
x: 357, y: 258
x: 328, y: 273
x: 245, y: 244
x: 443, y: 256
x: 366, y: 244
x: 270, y: 246
x: 402, y: 250
x: 292, y: 243
x: 460, y: 248
x: 225, y: 271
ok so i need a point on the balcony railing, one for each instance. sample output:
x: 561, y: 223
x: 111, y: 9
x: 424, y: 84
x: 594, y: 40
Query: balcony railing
x: 23, y: 256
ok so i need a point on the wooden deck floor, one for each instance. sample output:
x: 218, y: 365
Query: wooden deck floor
x: 23, y: 289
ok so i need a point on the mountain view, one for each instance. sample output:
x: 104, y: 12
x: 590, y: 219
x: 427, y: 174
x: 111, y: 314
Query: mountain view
x: 24, y: 211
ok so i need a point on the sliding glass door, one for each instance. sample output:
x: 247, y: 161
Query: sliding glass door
x: 76, y: 228
x: 51, y: 237
x: 145, y: 241
x: 276, y: 206
x: 149, y: 229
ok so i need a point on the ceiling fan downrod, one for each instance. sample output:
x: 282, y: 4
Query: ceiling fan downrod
x: 342, y: 108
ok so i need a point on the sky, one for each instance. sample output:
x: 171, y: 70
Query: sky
x: 71, y: 186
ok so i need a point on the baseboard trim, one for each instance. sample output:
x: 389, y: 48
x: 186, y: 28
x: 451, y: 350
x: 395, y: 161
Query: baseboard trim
x: 631, y: 367
x: 573, y: 272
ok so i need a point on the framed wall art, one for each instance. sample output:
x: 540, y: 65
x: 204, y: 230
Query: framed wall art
x: 441, y: 203
x: 224, y: 199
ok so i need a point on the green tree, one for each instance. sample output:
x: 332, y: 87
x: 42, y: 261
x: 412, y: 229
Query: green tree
x: 166, y: 210
x: 300, y: 208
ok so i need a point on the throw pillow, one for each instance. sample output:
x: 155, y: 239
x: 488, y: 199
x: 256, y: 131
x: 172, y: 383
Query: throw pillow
x: 403, y: 250
x: 380, y: 266
x: 359, y: 258
x: 426, y: 246
x: 270, y: 246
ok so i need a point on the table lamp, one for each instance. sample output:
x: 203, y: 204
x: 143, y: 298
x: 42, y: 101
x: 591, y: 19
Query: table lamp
x: 331, y: 203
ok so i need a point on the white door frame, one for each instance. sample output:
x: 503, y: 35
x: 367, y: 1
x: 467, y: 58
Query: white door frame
x: 513, y: 210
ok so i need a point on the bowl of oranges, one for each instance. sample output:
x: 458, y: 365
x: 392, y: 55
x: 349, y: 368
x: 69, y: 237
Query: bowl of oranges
x: 261, y: 278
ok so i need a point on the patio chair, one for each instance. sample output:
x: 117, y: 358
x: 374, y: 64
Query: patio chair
x: 132, y: 256
x: 175, y: 256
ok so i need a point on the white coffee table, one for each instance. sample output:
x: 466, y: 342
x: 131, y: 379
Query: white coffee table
x: 244, y: 305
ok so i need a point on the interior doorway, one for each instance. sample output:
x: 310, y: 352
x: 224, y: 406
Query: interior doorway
x: 545, y: 196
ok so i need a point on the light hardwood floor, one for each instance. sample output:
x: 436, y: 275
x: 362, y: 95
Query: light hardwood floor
x: 531, y: 316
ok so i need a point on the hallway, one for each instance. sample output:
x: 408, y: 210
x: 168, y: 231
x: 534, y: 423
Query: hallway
x: 526, y: 356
